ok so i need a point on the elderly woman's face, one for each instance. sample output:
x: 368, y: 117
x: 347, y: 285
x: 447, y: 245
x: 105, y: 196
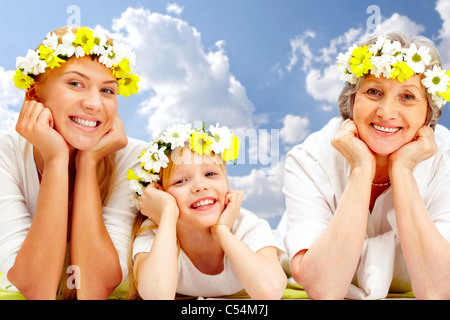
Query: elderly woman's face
x: 388, y: 113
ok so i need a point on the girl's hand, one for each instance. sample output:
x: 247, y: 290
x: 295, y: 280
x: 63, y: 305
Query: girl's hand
x: 155, y: 202
x: 421, y: 148
x: 348, y: 143
x: 35, y: 123
x: 114, y: 140
x: 232, y: 209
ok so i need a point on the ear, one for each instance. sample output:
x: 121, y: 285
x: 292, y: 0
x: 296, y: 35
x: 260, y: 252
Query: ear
x: 31, y: 94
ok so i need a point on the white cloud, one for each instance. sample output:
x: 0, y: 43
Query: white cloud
x: 174, y: 8
x: 322, y: 77
x: 185, y: 83
x: 443, y: 8
x: 295, y: 129
x: 262, y: 189
x: 10, y: 98
x: 324, y: 85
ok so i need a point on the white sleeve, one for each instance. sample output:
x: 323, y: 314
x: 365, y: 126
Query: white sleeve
x: 309, y: 201
x: 15, y: 219
x: 255, y: 232
x: 144, y: 240
x: 117, y: 214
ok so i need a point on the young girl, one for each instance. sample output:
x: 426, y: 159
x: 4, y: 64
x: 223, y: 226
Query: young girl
x: 64, y: 212
x: 198, y: 241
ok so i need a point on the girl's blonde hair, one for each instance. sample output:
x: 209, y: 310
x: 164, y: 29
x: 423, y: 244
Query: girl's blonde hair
x: 106, y: 170
x: 164, y: 176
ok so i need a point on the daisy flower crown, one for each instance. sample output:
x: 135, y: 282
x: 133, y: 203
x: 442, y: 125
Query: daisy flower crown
x: 388, y: 59
x: 55, y: 50
x: 219, y: 140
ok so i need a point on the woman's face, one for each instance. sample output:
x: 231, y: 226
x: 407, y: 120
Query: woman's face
x: 199, y: 186
x: 388, y: 113
x: 81, y: 94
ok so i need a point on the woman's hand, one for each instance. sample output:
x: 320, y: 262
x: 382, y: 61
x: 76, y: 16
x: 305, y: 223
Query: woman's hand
x: 35, y: 123
x: 232, y: 208
x: 348, y: 143
x: 421, y: 148
x: 114, y: 140
x: 155, y: 202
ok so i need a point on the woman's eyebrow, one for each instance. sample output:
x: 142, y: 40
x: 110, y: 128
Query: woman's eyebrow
x: 87, y: 78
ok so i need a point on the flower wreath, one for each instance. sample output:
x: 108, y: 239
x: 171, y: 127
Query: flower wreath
x: 388, y: 59
x: 85, y: 41
x: 219, y: 140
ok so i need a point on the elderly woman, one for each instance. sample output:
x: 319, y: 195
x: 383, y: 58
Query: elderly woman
x: 367, y: 197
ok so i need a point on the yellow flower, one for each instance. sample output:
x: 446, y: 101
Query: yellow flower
x: 201, y: 143
x: 122, y: 69
x: 22, y: 81
x: 46, y: 54
x: 128, y: 85
x: 232, y: 152
x: 360, y: 61
x: 401, y: 71
x: 446, y: 94
x: 131, y: 175
x: 85, y: 39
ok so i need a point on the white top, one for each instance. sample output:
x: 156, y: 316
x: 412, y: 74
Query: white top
x: 19, y: 190
x: 248, y: 228
x: 316, y: 175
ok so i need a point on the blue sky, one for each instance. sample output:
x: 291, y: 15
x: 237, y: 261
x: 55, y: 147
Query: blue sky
x: 261, y: 65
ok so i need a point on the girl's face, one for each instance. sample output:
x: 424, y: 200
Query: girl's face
x: 388, y: 113
x: 199, y: 186
x: 81, y: 94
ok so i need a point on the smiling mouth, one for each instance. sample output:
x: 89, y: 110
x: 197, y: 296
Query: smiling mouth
x: 85, y: 123
x: 202, y: 204
x: 385, y: 129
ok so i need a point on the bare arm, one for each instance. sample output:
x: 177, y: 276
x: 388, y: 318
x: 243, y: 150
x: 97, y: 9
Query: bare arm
x: 259, y: 272
x: 37, y: 269
x: 157, y: 271
x: 327, y: 268
x: 92, y: 248
x: 426, y: 251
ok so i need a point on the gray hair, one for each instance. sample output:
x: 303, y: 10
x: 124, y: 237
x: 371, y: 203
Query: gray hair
x: 347, y: 97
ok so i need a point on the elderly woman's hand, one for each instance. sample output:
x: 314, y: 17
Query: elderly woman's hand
x: 348, y: 143
x: 421, y: 148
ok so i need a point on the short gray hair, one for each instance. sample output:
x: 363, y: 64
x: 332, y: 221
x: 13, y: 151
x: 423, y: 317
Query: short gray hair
x: 347, y: 97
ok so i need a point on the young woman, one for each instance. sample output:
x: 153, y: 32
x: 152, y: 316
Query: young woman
x: 64, y: 213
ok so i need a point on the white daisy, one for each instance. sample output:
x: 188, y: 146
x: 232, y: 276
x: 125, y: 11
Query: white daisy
x: 134, y: 201
x: 435, y: 80
x: 136, y: 186
x: 417, y: 59
x: 154, y: 159
x: 378, y: 45
x: 177, y: 135
x: 31, y: 63
x: 51, y: 41
x: 221, y: 138
x: 146, y: 176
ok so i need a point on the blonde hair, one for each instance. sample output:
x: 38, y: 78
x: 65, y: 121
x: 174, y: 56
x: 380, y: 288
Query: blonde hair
x: 165, y: 174
x: 106, y: 170
x: 347, y: 97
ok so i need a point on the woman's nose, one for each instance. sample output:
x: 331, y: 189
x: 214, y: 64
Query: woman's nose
x: 92, y: 101
x: 388, y: 108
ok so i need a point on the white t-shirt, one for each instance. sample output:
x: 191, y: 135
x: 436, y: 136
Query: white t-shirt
x: 248, y: 228
x: 19, y: 189
x: 316, y: 175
